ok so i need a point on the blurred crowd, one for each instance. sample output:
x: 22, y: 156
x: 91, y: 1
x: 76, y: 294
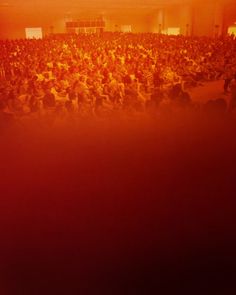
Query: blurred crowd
x: 109, y: 75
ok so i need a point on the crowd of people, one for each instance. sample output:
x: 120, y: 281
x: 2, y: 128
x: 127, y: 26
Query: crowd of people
x: 110, y: 74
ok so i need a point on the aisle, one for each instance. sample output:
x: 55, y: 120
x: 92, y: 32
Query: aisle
x: 210, y: 90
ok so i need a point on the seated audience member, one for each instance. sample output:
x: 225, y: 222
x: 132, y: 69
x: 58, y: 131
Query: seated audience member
x: 49, y: 99
x: 179, y: 96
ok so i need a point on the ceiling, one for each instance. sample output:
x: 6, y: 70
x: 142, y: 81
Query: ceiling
x: 13, y: 10
x: 21, y: 4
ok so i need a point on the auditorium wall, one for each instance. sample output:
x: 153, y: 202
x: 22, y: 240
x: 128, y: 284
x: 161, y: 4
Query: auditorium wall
x: 203, y: 18
x: 230, y: 12
x: 199, y: 19
x: 136, y: 18
x: 14, y: 23
x: 208, y: 18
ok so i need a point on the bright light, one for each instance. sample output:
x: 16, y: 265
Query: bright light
x: 173, y: 31
x: 232, y: 30
x: 32, y: 33
x: 126, y: 28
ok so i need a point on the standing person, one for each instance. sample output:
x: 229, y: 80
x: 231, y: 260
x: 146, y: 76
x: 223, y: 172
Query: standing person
x: 227, y: 79
x: 232, y: 86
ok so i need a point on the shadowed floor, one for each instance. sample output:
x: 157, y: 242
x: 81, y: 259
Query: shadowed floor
x: 119, y: 208
x: 209, y: 90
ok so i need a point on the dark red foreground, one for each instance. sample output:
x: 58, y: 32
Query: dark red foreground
x: 145, y: 207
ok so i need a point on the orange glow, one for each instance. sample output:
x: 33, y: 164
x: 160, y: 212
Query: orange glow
x: 173, y: 31
x: 117, y: 147
x: 232, y: 30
